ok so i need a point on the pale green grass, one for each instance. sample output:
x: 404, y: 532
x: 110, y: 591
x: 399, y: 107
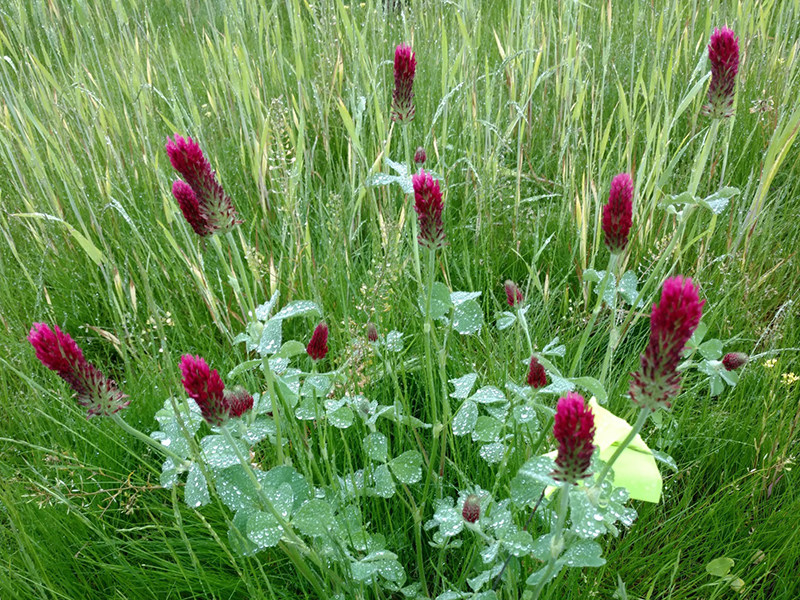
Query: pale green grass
x: 527, y: 109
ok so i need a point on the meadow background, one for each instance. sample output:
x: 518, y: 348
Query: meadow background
x: 527, y: 109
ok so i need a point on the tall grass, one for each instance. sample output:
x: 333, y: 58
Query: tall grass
x: 527, y: 109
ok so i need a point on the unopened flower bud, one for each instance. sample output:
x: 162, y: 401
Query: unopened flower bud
x: 574, y: 431
x: 734, y: 360
x: 420, y: 157
x: 723, y: 53
x: 618, y: 213
x: 372, y: 332
x: 472, y: 509
x: 537, y: 378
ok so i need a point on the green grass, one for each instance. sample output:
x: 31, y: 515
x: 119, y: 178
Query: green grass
x: 527, y: 109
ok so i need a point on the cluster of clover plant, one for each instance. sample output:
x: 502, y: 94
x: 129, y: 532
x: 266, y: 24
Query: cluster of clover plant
x: 309, y: 501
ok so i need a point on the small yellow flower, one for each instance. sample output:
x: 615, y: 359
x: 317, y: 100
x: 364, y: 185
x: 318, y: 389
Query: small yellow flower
x: 770, y: 363
x: 789, y: 378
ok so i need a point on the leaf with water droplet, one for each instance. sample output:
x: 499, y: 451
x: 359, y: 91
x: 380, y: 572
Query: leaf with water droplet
x: 271, y: 337
x: 407, y: 467
x: 466, y: 418
x: 263, y: 311
x: 195, y: 494
x: 315, y: 517
x: 587, y: 521
x: 264, y: 530
x: 298, y: 308
x: 394, y: 341
x: 463, y: 385
x: 583, y: 554
x: 553, y: 348
x: 277, y: 476
x: 341, y: 418
x: 259, y: 429
x: 384, y: 482
x: 505, y: 320
x: 376, y: 446
x: 488, y: 394
x: 628, y: 284
x: 594, y: 387
x: 518, y: 543
x: 487, y: 429
x: 492, y: 453
x: 449, y: 520
x: 458, y: 297
x: 531, y: 480
x: 468, y: 318
x: 237, y: 534
x: 440, y: 301
x: 219, y: 454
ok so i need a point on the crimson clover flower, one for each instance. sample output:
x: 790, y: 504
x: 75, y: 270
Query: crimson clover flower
x: 672, y: 323
x: 471, y: 511
x: 318, y: 346
x: 723, y: 53
x: 429, y: 206
x: 618, y: 213
x: 58, y: 352
x: 200, y: 197
x: 204, y: 386
x: 537, y: 378
x: 574, y: 432
x: 405, y: 67
x: 734, y: 360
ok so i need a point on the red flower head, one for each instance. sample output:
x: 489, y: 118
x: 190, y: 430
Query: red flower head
x: 372, y: 332
x: 734, y: 360
x: 205, y: 387
x: 513, y: 294
x: 672, y: 323
x: 201, y: 198
x: 58, y: 352
x: 617, y: 214
x: 723, y: 53
x: 429, y: 206
x: 472, y: 509
x: 318, y: 346
x: 537, y: 378
x: 405, y: 67
x: 420, y: 157
x: 574, y: 432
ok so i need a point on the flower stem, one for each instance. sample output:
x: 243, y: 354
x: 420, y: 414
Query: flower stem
x: 637, y: 427
x: 276, y: 415
x: 179, y: 461
x: 411, y: 216
x: 523, y: 323
x: 612, y: 262
x: 557, y: 541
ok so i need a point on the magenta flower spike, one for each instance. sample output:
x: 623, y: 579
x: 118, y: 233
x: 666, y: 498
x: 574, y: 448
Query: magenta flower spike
x: 205, y: 387
x: 58, y: 352
x: 618, y: 213
x: 318, y: 346
x: 537, y: 378
x: 471, y: 511
x: 429, y: 206
x: 672, y: 323
x: 514, y: 295
x: 733, y: 361
x: 420, y: 157
x: 723, y: 53
x: 405, y: 67
x: 574, y: 432
x: 200, y: 196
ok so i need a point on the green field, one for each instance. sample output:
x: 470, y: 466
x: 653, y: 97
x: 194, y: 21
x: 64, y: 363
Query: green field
x: 527, y: 110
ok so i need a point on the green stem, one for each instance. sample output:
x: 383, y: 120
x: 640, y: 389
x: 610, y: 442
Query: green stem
x: 557, y: 542
x: 612, y: 261
x: 411, y: 216
x: 266, y: 503
x: 178, y: 460
x: 428, y: 332
x: 523, y: 323
x: 276, y: 415
x: 242, y: 276
x: 637, y: 427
